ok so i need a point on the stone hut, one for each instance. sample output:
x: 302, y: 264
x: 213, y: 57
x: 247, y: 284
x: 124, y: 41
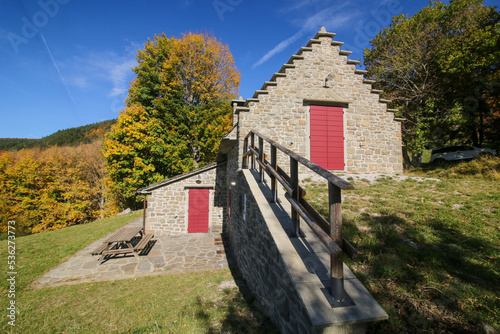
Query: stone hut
x: 317, y: 105
x: 194, y: 202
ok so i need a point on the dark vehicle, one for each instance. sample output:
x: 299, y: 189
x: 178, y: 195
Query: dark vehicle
x: 459, y: 152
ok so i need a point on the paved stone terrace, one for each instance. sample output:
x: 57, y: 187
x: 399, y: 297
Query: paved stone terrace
x: 168, y: 255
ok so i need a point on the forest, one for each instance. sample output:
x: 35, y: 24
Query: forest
x: 69, y: 137
x: 49, y: 188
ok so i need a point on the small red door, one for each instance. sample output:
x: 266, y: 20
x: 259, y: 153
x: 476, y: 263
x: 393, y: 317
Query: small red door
x: 198, y: 210
x: 327, y: 137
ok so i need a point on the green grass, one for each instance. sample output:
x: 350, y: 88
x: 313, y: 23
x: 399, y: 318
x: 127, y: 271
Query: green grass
x: 429, y: 251
x: 38, y: 253
x: 184, y: 303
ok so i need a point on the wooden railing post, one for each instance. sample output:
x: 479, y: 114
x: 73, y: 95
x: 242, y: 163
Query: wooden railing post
x: 261, y: 158
x: 294, y: 178
x: 252, y: 145
x: 274, y: 182
x: 245, y: 150
x: 336, y: 261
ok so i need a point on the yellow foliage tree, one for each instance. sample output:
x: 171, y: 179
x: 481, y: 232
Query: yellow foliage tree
x: 177, y: 111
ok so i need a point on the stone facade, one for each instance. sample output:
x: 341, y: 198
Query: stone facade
x: 167, y: 210
x: 321, y: 74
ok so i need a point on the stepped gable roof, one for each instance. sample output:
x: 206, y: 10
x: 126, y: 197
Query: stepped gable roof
x: 242, y: 105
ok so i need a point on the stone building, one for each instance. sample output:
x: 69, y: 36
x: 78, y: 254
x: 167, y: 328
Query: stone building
x: 317, y: 105
x: 194, y: 202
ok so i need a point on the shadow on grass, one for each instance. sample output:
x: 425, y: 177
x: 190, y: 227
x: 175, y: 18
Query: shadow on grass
x: 424, y: 285
x: 242, y: 313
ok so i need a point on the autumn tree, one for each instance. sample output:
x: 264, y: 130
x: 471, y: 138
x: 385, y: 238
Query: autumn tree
x: 47, y: 189
x: 438, y: 69
x: 176, y: 112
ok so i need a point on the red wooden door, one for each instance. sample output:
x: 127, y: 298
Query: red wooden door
x: 198, y: 210
x: 327, y: 137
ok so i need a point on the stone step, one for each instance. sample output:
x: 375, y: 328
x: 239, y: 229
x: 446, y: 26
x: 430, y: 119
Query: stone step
x: 324, y: 33
x: 268, y: 83
x: 278, y: 75
x: 247, y: 101
x: 241, y: 109
x: 313, y: 41
x: 302, y: 49
x: 285, y: 67
x: 295, y: 57
x: 258, y: 92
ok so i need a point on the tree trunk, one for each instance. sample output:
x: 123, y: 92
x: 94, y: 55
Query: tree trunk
x: 406, y: 159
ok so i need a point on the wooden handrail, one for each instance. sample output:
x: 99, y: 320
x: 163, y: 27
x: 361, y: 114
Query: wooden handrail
x: 332, y: 247
x: 330, y: 234
x: 337, y: 181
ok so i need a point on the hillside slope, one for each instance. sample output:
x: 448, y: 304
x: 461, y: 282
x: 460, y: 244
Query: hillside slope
x: 68, y: 137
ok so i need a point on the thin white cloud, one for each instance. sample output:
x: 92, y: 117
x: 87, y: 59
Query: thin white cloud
x: 63, y: 81
x: 119, y: 75
x: 278, y: 48
x: 331, y: 18
x: 299, y: 4
x: 92, y: 69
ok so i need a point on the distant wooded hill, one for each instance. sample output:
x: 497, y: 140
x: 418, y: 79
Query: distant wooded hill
x: 69, y: 137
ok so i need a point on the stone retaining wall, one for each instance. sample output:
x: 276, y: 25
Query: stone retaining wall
x: 261, y: 263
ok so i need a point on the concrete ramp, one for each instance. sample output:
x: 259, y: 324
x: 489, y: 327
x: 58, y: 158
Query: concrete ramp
x: 290, y: 276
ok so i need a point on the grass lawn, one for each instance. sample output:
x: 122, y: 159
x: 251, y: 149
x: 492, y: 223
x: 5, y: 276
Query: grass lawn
x: 184, y: 303
x: 429, y: 251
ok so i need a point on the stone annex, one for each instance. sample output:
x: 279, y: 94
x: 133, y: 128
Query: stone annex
x: 317, y: 105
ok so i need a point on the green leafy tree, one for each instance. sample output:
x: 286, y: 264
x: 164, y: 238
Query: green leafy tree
x: 176, y: 113
x: 437, y: 67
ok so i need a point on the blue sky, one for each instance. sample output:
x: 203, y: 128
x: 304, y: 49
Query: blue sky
x: 66, y: 63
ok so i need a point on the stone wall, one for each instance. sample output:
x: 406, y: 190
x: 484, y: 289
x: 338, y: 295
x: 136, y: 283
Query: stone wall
x: 280, y: 110
x: 261, y: 263
x: 168, y: 202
